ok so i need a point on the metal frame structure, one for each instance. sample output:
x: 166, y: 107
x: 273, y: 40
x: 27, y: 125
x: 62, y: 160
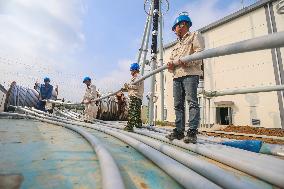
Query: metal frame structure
x: 161, y: 62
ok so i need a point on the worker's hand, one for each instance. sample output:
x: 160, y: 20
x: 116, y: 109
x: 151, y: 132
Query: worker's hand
x: 85, y: 101
x: 182, y: 64
x: 171, y: 66
x: 126, y: 85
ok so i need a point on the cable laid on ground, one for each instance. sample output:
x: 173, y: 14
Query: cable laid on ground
x: 108, y: 166
x: 182, y: 174
x: 262, y: 170
x: 253, y: 167
x: 223, y: 178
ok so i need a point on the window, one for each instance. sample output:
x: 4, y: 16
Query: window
x: 224, y: 115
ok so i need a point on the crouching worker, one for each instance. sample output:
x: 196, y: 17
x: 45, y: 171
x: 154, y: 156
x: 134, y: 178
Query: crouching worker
x: 45, y: 93
x: 135, y: 93
x: 91, y: 108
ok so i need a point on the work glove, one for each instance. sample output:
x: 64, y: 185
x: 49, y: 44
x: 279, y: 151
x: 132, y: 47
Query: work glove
x: 171, y: 66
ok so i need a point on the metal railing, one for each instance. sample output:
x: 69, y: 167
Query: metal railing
x: 206, y: 96
x: 280, y: 7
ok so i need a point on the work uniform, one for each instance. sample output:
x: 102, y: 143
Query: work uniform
x: 45, y: 92
x: 135, y: 93
x: 91, y: 109
x: 186, y: 79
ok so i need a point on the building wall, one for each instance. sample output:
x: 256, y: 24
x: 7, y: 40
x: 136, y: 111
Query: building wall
x: 168, y: 92
x: 246, y: 70
x: 2, y: 101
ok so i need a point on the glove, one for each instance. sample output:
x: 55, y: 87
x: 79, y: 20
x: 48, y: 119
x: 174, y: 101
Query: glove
x: 171, y: 66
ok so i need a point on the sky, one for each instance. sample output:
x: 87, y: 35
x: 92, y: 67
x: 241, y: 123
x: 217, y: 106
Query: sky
x: 69, y: 39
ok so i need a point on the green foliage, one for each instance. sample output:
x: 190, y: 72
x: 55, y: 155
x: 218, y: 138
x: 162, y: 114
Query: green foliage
x: 163, y: 123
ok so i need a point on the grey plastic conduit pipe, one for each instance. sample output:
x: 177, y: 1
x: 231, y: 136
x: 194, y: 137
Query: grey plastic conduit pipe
x: 183, y: 175
x: 244, y: 91
x: 221, y: 177
x: 46, y: 114
x: 68, y: 116
x: 186, y: 177
x: 259, y: 160
x: 246, y: 156
x: 57, y: 118
x: 172, y: 152
x: 269, y: 174
x: 75, y: 114
x: 108, y: 166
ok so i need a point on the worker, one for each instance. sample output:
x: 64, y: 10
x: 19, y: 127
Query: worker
x: 135, y: 93
x: 45, y: 93
x: 185, y: 78
x: 91, y: 108
x: 121, y: 105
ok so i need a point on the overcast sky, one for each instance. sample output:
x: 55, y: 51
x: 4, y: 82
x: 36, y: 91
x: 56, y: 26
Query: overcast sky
x: 69, y: 39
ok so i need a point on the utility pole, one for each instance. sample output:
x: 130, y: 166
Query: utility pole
x: 154, y: 57
x: 161, y: 53
x: 155, y: 17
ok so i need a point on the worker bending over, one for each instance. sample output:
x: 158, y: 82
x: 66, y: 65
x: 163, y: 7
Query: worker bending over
x: 91, y: 108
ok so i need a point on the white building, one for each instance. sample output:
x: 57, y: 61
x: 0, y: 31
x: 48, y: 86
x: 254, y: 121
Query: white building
x: 2, y: 97
x: 246, y: 70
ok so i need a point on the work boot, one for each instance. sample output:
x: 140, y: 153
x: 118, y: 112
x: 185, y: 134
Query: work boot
x: 175, y: 135
x: 191, y: 136
x: 128, y: 129
x: 139, y: 126
x: 87, y: 121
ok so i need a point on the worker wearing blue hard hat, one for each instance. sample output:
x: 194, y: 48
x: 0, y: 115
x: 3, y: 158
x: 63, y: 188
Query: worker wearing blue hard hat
x: 134, y: 67
x: 185, y: 78
x: 45, y: 93
x: 91, y: 108
x: 86, y: 79
x: 183, y: 17
x: 46, y: 79
x: 135, y: 93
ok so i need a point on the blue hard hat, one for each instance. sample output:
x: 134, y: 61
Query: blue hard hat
x: 46, y: 79
x: 183, y: 17
x: 134, y: 66
x: 86, y: 79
